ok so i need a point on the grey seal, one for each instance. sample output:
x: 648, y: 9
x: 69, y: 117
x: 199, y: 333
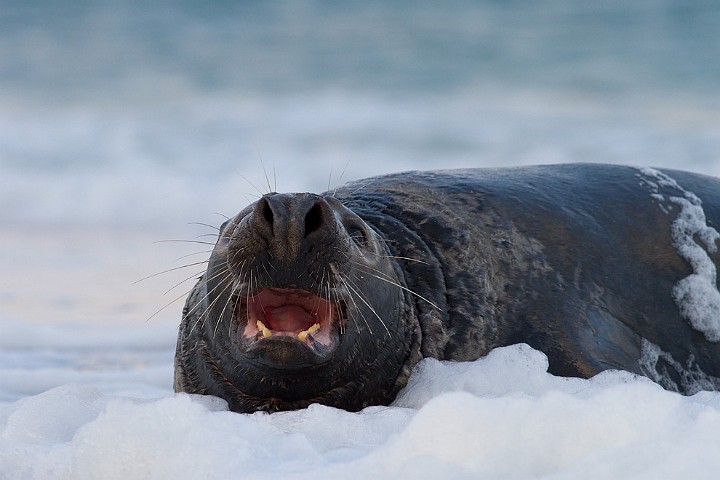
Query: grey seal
x: 334, y: 298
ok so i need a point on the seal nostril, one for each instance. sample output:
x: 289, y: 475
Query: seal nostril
x: 267, y: 213
x: 313, y: 219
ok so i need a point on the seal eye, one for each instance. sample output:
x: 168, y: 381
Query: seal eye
x: 357, y: 234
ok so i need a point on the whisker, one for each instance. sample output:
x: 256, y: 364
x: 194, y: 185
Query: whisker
x: 213, y: 235
x: 168, y: 304
x: 333, y: 292
x: 266, y: 174
x: 227, y: 302
x: 341, y: 177
x: 241, y: 277
x: 204, y: 282
x: 357, y: 309
x: 350, y: 284
x: 205, y: 225
x: 203, y: 252
x: 185, y: 241
x: 247, y: 298
x: 262, y: 264
x: 169, y: 270
x: 230, y: 261
x: 200, y: 284
x: 409, y: 259
x: 391, y: 282
x: 201, y: 316
x: 196, y: 275
x: 363, y: 185
x: 252, y: 184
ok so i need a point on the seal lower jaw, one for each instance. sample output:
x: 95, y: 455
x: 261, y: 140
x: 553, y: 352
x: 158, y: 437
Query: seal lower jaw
x: 288, y: 328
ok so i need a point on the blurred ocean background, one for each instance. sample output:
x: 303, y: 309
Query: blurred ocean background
x: 154, y: 113
x: 126, y: 125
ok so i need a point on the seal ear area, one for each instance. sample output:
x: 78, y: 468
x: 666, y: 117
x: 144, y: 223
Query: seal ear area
x: 355, y: 227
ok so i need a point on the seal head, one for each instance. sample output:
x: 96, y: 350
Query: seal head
x: 295, y: 309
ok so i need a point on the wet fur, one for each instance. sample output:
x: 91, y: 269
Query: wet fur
x: 575, y: 260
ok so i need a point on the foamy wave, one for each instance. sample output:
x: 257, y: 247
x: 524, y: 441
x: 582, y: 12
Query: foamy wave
x: 696, y: 295
x: 502, y: 416
x: 170, y: 162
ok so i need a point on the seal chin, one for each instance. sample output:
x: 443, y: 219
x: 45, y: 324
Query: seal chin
x: 288, y: 328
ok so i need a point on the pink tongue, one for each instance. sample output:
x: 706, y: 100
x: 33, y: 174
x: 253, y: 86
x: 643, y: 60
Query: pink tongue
x: 288, y: 318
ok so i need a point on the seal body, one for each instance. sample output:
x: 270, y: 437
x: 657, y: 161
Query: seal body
x: 334, y: 298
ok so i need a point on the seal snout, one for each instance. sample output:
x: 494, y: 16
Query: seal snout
x: 287, y: 222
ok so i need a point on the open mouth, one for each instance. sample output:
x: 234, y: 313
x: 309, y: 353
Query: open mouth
x: 282, y: 312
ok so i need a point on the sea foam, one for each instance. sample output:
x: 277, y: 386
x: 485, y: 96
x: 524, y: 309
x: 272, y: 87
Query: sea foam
x: 500, y: 416
x: 696, y: 295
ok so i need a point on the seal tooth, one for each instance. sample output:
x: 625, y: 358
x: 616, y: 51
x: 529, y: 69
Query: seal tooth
x: 265, y: 331
x: 304, y: 334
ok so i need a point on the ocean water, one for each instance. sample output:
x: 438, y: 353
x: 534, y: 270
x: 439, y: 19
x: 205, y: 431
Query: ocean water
x: 125, y: 126
x: 123, y: 112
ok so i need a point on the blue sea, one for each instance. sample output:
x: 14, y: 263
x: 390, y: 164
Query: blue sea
x: 144, y: 113
x: 129, y: 128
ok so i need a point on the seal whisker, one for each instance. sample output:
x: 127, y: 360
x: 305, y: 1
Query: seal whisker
x: 181, y: 296
x: 334, y: 293
x: 204, y: 282
x: 264, y: 266
x: 342, y: 174
x: 350, y: 284
x: 218, y: 274
x: 361, y: 187
x: 168, y: 304
x: 227, y: 302
x: 203, y: 235
x: 202, y: 315
x: 205, y: 225
x: 230, y: 261
x: 169, y: 270
x: 242, y: 281
x: 265, y: 173
x: 342, y: 252
x: 252, y: 185
x: 197, y: 275
x: 202, y: 252
x: 177, y: 240
x: 391, y: 282
x: 357, y: 308
x: 397, y: 257
x: 249, y: 293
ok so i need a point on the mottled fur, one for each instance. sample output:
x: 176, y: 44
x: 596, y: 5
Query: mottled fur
x: 575, y: 260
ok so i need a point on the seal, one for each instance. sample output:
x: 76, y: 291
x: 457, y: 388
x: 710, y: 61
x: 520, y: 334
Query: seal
x: 334, y: 298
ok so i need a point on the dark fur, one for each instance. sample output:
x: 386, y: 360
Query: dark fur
x: 575, y: 260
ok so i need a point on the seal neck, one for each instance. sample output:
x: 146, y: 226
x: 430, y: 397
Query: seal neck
x: 422, y: 277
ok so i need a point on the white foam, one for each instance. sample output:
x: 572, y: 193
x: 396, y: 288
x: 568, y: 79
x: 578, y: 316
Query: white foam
x: 184, y: 157
x: 661, y: 367
x: 696, y: 295
x: 499, y: 417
